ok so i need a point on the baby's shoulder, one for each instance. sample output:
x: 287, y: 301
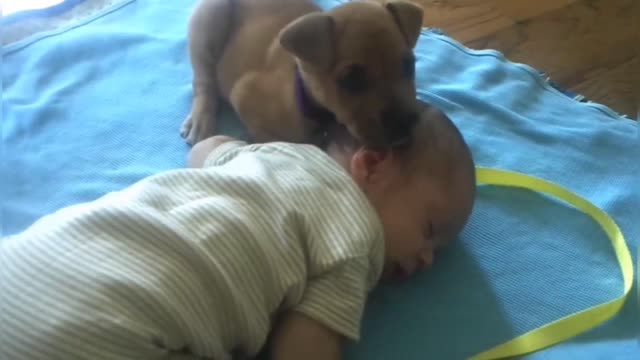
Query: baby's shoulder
x: 299, y: 153
x: 342, y: 230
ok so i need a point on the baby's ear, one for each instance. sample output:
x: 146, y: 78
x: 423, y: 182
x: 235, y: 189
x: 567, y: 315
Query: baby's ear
x: 369, y: 165
x: 311, y: 38
x: 408, y: 16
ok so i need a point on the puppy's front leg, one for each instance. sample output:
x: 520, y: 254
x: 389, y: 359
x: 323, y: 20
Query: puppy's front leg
x: 208, y: 31
x: 200, y: 122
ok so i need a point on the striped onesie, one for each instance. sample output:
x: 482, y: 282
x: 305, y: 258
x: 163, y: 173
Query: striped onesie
x: 193, y: 262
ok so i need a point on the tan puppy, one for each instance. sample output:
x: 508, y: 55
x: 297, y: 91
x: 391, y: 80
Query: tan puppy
x: 289, y: 70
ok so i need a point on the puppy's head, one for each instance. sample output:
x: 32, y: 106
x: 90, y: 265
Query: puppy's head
x: 357, y: 61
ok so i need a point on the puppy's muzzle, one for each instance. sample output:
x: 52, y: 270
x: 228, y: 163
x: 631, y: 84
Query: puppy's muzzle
x: 398, y: 125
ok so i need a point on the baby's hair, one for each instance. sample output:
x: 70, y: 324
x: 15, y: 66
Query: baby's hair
x: 435, y: 144
x: 435, y: 140
x: 435, y: 154
x: 438, y: 153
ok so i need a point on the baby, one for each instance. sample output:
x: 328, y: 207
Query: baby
x: 280, y: 241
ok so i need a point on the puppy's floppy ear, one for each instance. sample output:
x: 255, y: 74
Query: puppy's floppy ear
x: 311, y: 38
x: 408, y: 16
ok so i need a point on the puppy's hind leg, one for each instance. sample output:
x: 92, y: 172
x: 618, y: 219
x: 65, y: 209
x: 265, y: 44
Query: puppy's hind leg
x: 209, y: 29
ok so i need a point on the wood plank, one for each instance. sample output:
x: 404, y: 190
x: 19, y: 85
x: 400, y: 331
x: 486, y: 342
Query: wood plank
x: 588, y: 46
x: 616, y: 87
x: 577, y: 43
x: 468, y: 20
x: 464, y: 20
x: 519, y: 10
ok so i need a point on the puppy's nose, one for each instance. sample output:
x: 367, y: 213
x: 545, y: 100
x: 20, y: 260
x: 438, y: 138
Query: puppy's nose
x: 398, y: 125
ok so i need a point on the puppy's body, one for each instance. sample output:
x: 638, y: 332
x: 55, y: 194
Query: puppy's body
x: 257, y: 75
x: 248, y: 53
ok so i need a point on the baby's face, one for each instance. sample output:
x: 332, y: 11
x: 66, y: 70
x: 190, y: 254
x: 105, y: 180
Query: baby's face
x: 419, y: 217
x: 421, y: 211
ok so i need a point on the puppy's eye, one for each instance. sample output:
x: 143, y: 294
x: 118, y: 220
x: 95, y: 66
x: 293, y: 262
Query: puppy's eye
x: 409, y: 66
x: 354, y: 79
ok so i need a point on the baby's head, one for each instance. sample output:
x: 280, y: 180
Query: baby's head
x: 423, y: 191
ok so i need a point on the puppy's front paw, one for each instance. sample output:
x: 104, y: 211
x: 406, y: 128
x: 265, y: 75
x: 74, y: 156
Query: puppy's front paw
x: 198, y: 125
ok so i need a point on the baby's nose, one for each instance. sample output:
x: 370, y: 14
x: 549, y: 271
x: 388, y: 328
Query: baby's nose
x: 425, y: 259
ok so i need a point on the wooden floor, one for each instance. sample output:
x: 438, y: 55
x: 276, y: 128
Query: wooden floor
x: 589, y: 46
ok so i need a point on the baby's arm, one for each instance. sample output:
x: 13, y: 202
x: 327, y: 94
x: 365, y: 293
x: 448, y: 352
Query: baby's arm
x: 201, y: 151
x: 300, y: 337
x: 328, y: 314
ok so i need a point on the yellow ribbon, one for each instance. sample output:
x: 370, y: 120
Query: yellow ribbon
x: 574, y: 324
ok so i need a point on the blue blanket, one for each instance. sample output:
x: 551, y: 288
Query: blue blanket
x: 97, y: 106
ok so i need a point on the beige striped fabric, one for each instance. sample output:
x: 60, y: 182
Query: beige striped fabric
x: 193, y: 263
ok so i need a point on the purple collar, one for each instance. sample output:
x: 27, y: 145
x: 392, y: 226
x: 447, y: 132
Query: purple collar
x: 310, y: 109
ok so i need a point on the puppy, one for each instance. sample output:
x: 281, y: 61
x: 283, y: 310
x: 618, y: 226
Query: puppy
x: 290, y: 70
